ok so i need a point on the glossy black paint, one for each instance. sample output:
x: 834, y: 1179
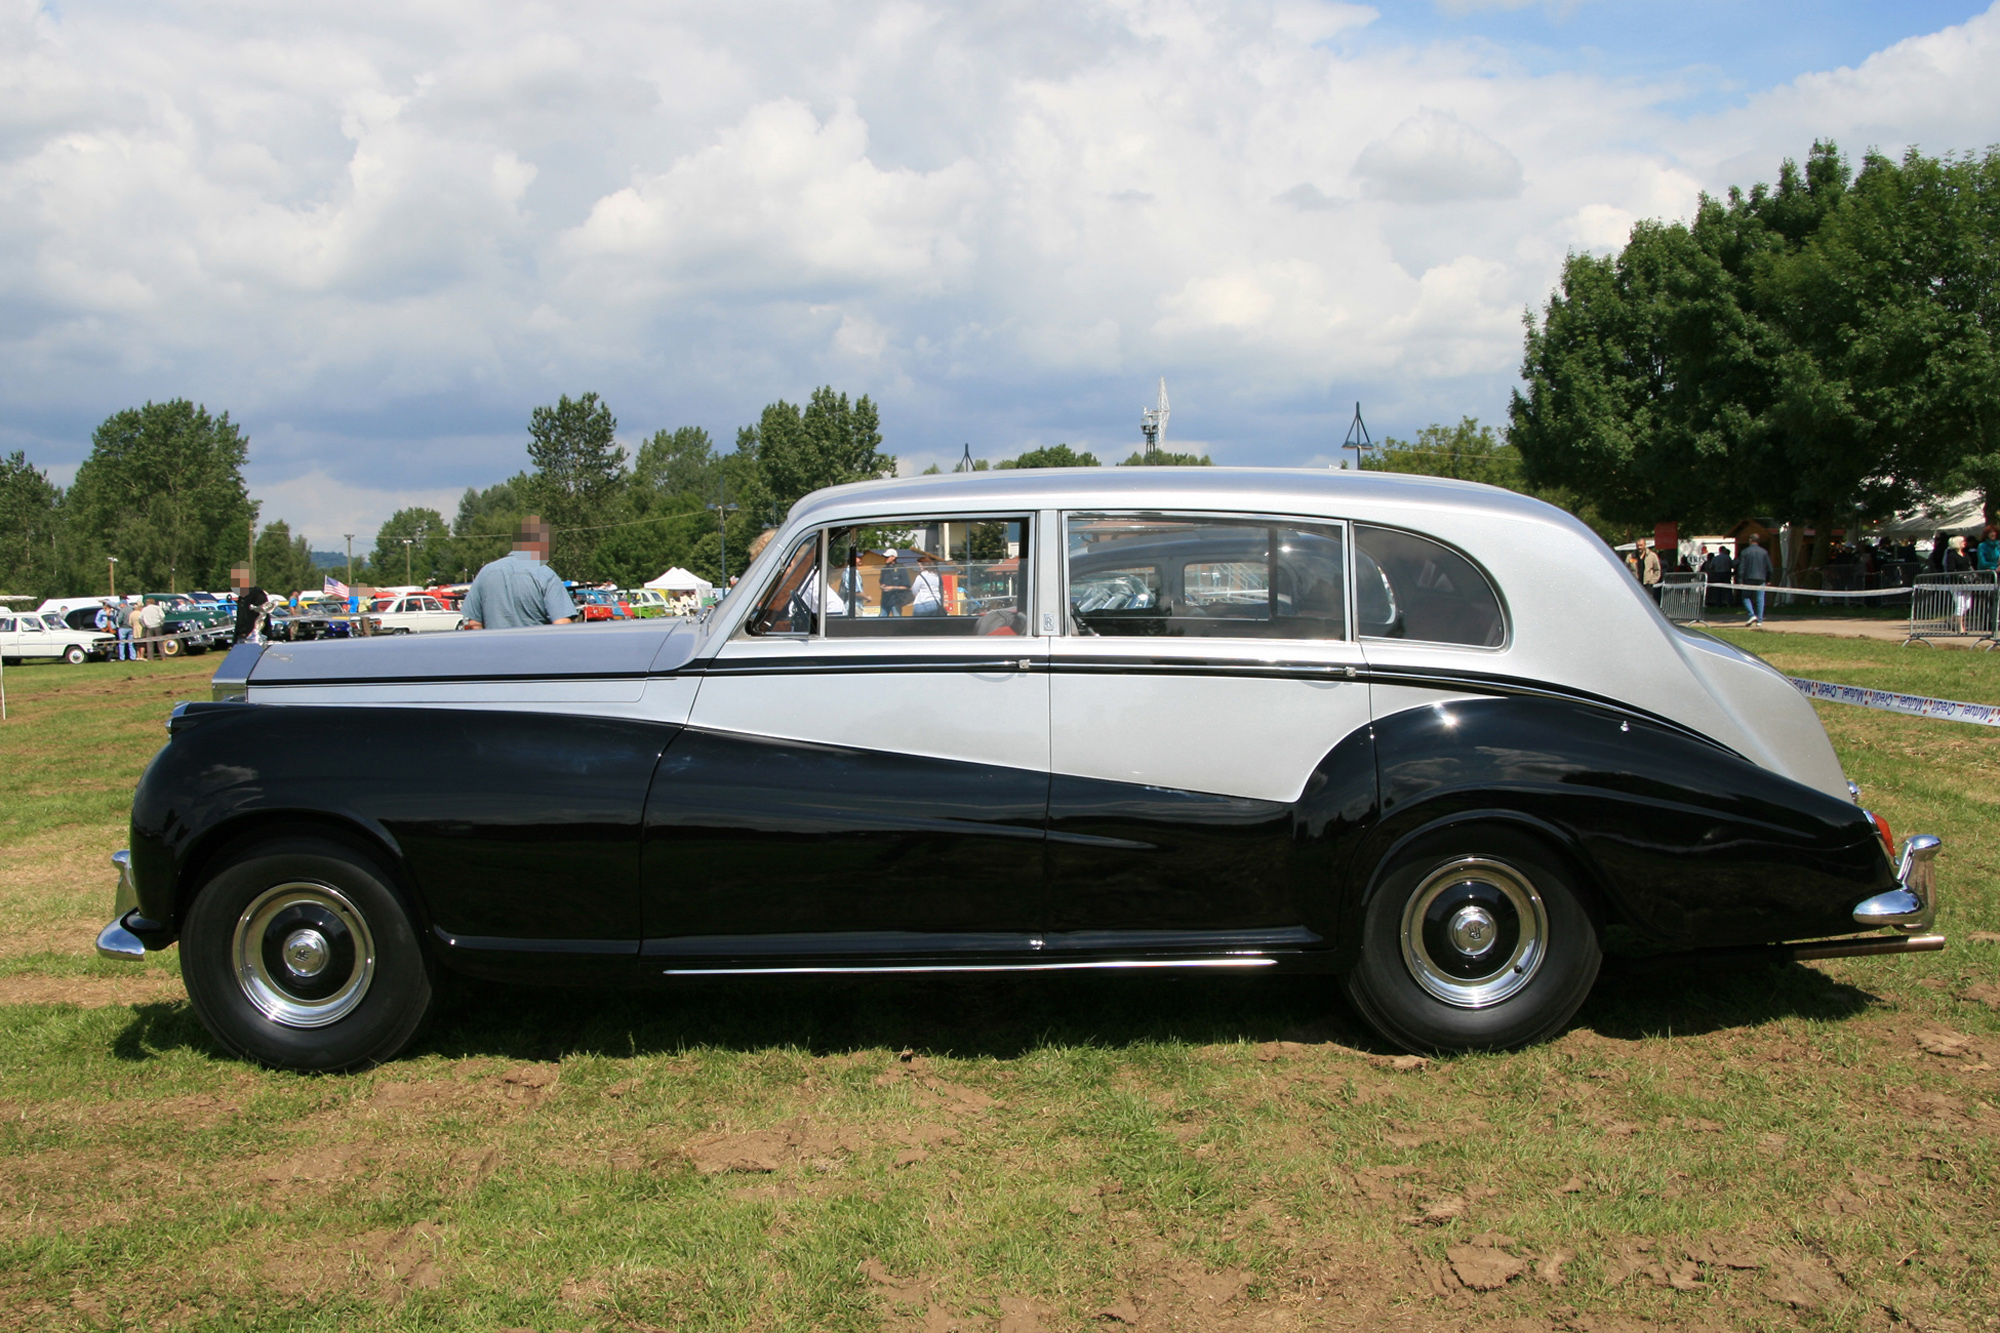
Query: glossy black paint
x: 548, y: 846
x: 746, y: 835
x: 1124, y: 856
x: 1686, y: 843
x: 513, y: 825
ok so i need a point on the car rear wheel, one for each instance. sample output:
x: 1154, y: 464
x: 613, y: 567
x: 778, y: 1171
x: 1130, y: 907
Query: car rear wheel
x: 1474, y: 940
x: 297, y: 954
x: 74, y: 655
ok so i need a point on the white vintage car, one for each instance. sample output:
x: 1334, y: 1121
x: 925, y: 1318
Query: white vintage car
x: 1426, y: 739
x: 415, y: 613
x: 28, y: 635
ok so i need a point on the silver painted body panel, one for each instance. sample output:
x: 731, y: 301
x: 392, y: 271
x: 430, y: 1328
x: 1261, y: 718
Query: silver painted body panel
x: 993, y: 712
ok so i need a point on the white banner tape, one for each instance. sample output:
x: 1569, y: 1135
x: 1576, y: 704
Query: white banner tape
x: 1916, y: 705
x: 1830, y: 592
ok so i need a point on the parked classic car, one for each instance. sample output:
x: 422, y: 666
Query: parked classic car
x: 1344, y: 723
x: 25, y: 635
x: 645, y: 603
x: 413, y: 613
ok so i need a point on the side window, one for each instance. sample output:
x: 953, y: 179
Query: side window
x: 785, y: 608
x: 1207, y: 577
x: 1411, y: 587
x: 928, y: 578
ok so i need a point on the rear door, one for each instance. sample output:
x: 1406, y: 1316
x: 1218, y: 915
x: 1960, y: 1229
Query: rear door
x: 1209, y: 721
x: 855, y: 787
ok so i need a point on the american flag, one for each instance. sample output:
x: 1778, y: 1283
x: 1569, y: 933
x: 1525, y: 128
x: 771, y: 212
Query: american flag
x: 334, y: 587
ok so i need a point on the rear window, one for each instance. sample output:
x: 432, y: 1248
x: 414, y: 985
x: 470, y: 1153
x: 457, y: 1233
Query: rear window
x: 1411, y: 587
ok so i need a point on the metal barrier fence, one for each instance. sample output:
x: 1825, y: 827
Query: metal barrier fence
x: 1954, y: 606
x: 1682, y: 596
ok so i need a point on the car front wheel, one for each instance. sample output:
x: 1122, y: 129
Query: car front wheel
x: 74, y: 655
x: 1474, y: 940
x: 172, y: 647
x: 298, y: 954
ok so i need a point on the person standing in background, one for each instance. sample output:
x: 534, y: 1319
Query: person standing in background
x: 150, y: 619
x: 519, y: 588
x: 1649, y: 569
x: 125, y: 653
x: 251, y: 602
x: 1722, y: 570
x: 1754, y: 567
x: 1989, y: 548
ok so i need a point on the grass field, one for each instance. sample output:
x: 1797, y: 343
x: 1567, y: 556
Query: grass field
x: 1811, y: 1148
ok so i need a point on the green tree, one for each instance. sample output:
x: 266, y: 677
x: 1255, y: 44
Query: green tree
x: 163, y: 491
x: 1895, y: 307
x: 1161, y: 458
x: 828, y: 443
x: 672, y: 466
x: 579, y: 478
x: 30, y: 530
x: 429, y: 555
x: 484, y: 528
x: 1818, y: 351
x: 1053, y: 455
x: 284, y: 562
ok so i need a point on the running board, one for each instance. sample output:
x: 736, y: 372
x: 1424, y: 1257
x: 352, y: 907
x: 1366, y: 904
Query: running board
x: 852, y: 969
x: 1748, y: 956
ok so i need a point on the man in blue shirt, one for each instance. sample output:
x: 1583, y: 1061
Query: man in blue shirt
x: 519, y: 588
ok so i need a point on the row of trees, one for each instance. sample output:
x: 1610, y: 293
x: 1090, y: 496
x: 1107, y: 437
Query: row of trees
x: 161, y: 495
x: 1823, y: 351
x: 678, y: 500
x: 163, y: 492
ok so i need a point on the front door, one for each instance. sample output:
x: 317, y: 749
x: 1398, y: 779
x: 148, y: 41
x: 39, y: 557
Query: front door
x: 1209, y: 731
x: 864, y: 778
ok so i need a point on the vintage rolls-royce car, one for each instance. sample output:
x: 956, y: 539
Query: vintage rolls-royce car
x: 1425, y: 737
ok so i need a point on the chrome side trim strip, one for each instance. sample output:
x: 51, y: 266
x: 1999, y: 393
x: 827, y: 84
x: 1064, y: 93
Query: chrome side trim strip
x: 1104, y: 965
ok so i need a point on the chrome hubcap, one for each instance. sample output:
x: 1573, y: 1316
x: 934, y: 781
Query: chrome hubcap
x: 303, y: 954
x: 1474, y: 932
x: 306, y: 953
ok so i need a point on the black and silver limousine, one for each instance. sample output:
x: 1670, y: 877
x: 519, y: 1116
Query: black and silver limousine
x: 1424, y: 737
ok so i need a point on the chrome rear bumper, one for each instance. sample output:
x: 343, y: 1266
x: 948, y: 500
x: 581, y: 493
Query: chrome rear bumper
x: 115, y: 941
x: 1911, y: 907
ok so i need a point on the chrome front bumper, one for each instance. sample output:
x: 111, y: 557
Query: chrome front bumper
x: 1911, y: 907
x: 115, y: 941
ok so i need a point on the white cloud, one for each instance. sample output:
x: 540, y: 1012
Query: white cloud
x: 379, y: 235
x: 1434, y: 157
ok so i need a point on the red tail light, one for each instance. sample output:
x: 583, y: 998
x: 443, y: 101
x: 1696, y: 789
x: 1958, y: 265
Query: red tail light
x: 1882, y: 829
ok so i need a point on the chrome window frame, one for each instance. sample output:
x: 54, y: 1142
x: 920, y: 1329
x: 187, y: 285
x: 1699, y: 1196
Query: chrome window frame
x: 1352, y: 620
x: 1029, y: 519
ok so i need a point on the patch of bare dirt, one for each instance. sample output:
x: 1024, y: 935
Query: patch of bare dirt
x: 383, y: 1265
x: 810, y: 1144
x: 90, y: 992
x: 916, y: 1071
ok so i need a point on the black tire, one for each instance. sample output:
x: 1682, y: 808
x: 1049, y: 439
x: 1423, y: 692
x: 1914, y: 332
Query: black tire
x: 361, y: 990
x: 74, y: 655
x: 1501, y: 949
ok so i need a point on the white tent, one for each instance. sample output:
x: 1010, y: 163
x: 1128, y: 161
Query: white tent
x: 679, y: 580
x: 1959, y: 513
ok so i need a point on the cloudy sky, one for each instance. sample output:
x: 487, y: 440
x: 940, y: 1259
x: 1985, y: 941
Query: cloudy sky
x: 379, y: 233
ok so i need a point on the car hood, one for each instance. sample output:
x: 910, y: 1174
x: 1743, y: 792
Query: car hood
x: 543, y: 652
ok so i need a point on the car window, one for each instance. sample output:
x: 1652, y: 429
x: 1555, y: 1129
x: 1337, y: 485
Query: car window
x: 1412, y: 587
x: 6, y: 625
x: 928, y: 577
x: 1207, y: 577
x: 785, y: 608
